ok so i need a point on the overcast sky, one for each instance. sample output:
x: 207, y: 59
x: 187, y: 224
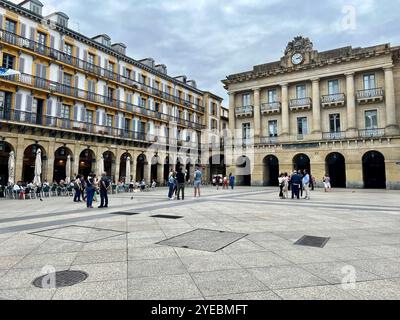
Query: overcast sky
x: 210, y: 39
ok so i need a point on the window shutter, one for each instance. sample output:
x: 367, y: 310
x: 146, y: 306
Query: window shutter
x: 85, y: 55
x: 98, y: 117
x: 84, y: 115
x: 60, y: 76
x: 21, y: 65
x: 139, y: 101
x: 32, y: 34
x: 18, y: 100
x: 49, y: 107
x: 118, y: 94
x: 29, y: 101
x: 105, y: 91
x: 23, y: 30
x: 124, y: 72
x: 58, y: 109
x: 106, y: 64
x: 99, y: 61
x: 76, y: 82
x: 133, y: 75
x: 1, y: 21
x: 76, y: 111
x: 148, y: 128
x: 52, y: 42
x: 61, y: 45
x: 104, y: 118
x: 44, y: 72
x: 77, y: 52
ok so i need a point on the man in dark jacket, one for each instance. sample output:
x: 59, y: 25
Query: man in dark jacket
x: 295, y: 182
x: 180, y: 178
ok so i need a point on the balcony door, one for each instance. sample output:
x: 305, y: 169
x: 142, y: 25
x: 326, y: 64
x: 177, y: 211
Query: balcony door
x: 301, y: 91
x: 302, y: 127
x: 5, y: 104
x: 333, y: 87
x: 371, y: 120
x: 369, y: 82
x: 65, y: 116
x: 246, y: 133
x: 37, y: 111
x: 246, y: 100
x: 271, y: 96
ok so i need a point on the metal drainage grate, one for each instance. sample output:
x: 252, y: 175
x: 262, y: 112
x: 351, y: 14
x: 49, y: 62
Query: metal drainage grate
x: 163, y: 216
x: 310, y: 241
x: 60, y: 279
x: 204, y: 240
x: 125, y: 213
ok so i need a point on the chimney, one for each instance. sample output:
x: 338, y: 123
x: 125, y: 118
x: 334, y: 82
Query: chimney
x: 148, y: 62
x: 161, y: 68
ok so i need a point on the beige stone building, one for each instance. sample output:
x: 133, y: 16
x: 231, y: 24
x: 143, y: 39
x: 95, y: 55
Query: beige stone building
x: 82, y: 99
x: 334, y: 112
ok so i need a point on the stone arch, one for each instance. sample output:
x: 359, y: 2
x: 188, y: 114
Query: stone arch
x: 335, y: 165
x: 374, y: 170
x: 87, y: 161
x: 60, y: 163
x: 28, y: 167
x: 243, y: 171
x: 5, y: 149
x: 270, y: 171
x: 302, y: 162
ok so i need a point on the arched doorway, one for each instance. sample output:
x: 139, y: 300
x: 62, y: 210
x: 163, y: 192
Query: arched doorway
x: 179, y: 163
x: 87, y: 160
x: 271, y: 171
x: 374, y: 170
x: 5, y: 149
x: 140, y: 167
x: 122, y: 166
x: 217, y: 165
x: 155, y: 163
x: 60, y: 163
x: 243, y: 171
x: 28, y: 168
x: 336, y: 169
x: 302, y: 162
x: 109, y: 164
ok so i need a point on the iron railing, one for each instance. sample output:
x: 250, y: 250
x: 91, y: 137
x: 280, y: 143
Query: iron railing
x: 270, y: 106
x: 370, y: 93
x: 371, y: 133
x: 332, y: 98
x: 294, y: 103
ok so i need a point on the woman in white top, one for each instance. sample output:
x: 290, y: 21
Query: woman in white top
x: 327, y: 183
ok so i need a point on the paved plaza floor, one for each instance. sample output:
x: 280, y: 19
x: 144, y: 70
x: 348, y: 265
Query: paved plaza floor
x: 123, y: 252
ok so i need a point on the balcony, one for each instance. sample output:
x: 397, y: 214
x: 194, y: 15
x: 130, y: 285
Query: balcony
x: 98, y: 71
x: 271, y: 108
x: 371, y: 133
x: 244, y: 112
x: 370, y: 95
x: 333, y: 100
x: 269, y: 140
x: 334, y: 135
x: 300, y: 104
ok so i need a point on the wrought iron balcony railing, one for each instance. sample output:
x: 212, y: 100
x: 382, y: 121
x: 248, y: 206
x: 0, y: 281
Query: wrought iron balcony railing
x: 337, y: 98
x: 371, y: 133
x: 245, y: 110
x: 334, y: 135
x: 376, y: 93
x: 302, y: 102
x: 52, y: 53
x: 271, y: 107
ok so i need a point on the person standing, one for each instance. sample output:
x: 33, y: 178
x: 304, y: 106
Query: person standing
x: 104, y: 185
x: 295, y: 182
x: 180, y: 179
x: 327, y: 183
x: 217, y: 181
x: 197, y: 181
x: 77, y: 188
x: 281, y: 182
x: 171, y: 186
x: 225, y: 183
x: 90, y: 190
x: 231, y: 181
x: 306, y: 184
x: 286, y: 186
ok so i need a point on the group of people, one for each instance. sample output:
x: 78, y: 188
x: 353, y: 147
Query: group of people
x: 86, y: 188
x: 300, y: 182
x: 225, y: 182
x: 177, y: 181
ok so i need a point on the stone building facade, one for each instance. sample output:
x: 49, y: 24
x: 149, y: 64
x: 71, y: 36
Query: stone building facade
x: 85, y: 98
x: 335, y: 112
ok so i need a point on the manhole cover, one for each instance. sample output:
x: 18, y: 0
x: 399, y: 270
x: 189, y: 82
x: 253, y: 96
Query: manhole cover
x: 125, y: 213
x: 60, y: 279
x: 204, y: 240
x: 310, y: 241
x: 163, y: 216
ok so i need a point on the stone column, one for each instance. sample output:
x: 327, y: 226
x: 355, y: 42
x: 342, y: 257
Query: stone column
x: 257, y: 115
x: 316, y: 105
x: 391, y: 123
x: 285, y: 110
x: 49, y: 171
x: 19, y: 158
x: 117, y: 164
x: 351, y: 106
x: 232, y: 116
x: 75, y: 163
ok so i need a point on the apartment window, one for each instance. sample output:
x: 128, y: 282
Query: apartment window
x: 65, y: 111
x: 143, y: 103
x: 142, y: 79
x: 246, y: 100
x: 67, y: 79
x: 128, y: 73
x: 41, y: 38
x: 110, y: 93
x: 91, y: 58
x: 334, y: 122
x: 89, y: 117
x: 127, y: 124
x: 11, y: 26
x: 301, y: 91
x: 213, y: 124
x: 156, y: 85
x: 110, y: 66
x: 369, y: 81
x: 36, y: 9
x: 246, y: 133
x: 271, y: 96
x: 371, y: 119
x: 333, y: 87
x: 109, y: 121
x: 302, y: 126
x: 8, y: 61
x: 273, y: 128
x: 68, y: 49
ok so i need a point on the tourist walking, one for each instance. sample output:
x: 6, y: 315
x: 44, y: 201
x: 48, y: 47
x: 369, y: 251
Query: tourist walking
x: 231, y: 181
x: 90, y: 190
x: 225, y: 183
x: 286, y: 186
x: 281, y: 182
x: 306, y: 184
x: 217, y: 181
x: 171, y: 185
x: 77, y: 188
x: 327, y: 183
x: 180, y: 180
x: 197, y: 181
x: 104, y: 185
x: 295, y: 182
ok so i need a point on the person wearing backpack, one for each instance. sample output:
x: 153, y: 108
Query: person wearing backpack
x: 77, y: 188
x: 104, y: 185
x: 90, y: 189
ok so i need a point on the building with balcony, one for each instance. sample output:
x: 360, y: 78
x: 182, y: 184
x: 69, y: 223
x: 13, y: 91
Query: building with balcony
x: 334, y: 112
x: 83, y: 97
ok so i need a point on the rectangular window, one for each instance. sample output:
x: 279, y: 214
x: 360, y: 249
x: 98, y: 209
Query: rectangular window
x: 67, y: 79
x: 334, y: 122
x: 333, y: 87
x: 65, y: 111
x: 301, y: 91
x: 41, y: 38
x: 369, y: 81
x: 371, y: 119
x: 11, y: 26
x: 273, y: 128
x: 246, y: 133
x: 302, y: 126
x: 142, y: 79
x: 110, y: 66
x: 91, y: 58
x: 109, y: 121
x: 271, y: 96
x: 127, y: 124
x: 143, y: 103
x: 128, y: 73
x: 8, y: 61
x: 246, y: 100
x: 68, y: 49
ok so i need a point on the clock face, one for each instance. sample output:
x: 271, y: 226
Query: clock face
x: 297, y: 58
